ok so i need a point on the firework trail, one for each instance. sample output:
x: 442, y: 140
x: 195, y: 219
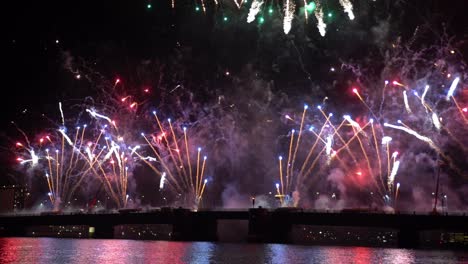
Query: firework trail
x: 426, y: 89
x: 174, y: 161
x: 289, y: 8
x: 254, y: 10
x: 112, y: 155
x: 322, y: 27
x: 435, y: 121
x: 391, y: 179
x: 348, y: 8
x: 162, y: 181
x: 405, y: 98
x: 453, y: 86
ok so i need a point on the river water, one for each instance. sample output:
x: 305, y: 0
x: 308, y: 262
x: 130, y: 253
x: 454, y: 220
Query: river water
x: 87, y: 251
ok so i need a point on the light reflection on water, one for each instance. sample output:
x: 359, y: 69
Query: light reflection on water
x: 87, y: 251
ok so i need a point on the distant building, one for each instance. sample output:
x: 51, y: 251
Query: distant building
x: 12, y: 198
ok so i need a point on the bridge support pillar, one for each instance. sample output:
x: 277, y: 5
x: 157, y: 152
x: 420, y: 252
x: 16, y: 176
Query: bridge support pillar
x: 408, y: 237
x: 190, y: 227
x: 260, y: 225
x: 271, y: 227
x: 281, y: 228
x: 101, y: 231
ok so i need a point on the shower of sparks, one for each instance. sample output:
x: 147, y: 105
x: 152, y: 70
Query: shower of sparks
x: 254, y: 10
x: 348, y: 8
x: 289, y: 8
x: 322, y: 27
x: 391, y: 179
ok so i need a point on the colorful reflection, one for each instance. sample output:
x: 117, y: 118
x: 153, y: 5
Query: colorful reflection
x: 85, y: 251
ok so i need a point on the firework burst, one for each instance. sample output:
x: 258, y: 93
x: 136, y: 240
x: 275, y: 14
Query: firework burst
x: 374, y: 149
x: 174, y: 160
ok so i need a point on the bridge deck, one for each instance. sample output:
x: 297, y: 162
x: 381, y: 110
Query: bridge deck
x: 294, y: 217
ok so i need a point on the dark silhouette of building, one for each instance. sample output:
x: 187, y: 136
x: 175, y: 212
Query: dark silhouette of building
x: 12, y: 198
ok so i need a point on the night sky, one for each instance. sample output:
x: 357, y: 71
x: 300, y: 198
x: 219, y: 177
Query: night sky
x: 110, y: 39
x: 115, y: 34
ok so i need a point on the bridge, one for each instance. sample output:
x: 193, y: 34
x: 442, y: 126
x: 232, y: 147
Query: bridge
x: 264, y: 225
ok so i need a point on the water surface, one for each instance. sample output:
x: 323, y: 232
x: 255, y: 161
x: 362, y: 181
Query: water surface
x: 86, y: 251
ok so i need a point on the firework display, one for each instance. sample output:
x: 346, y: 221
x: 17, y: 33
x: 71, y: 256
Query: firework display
x: 107, y: 150
x: 67, y: 157
x: 175, y: 161
x: 368, y: 150
x: 289, y: 9
x: 381, y: 131
x: 371, y: 149
x: 259, y: 10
